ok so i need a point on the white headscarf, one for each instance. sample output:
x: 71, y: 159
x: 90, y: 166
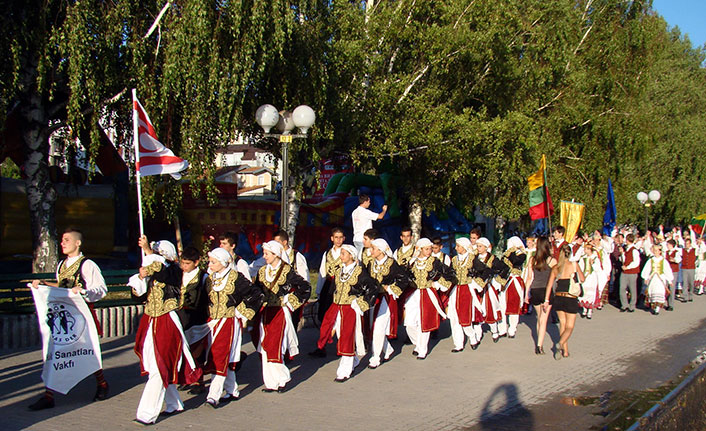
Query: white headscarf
x: 276, y: 248
x: 484, y: 241
x: 424, y: 242
x: 165, y: 249
x: 515, y: 242
x: 383, y: 246
x: 221, y: 255
x: 465, y: 243
x: 351, y: 250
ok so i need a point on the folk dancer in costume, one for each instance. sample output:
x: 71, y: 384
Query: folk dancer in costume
x: 233, y: 300
x: 422, y: 307
x: 700, y: 274
x: 558, y: 236
x: 366, y: 255
x: 330, y: 264
x: 193, y: 309
x: 630, y: 258
x: 515, y: 289
x: 602, y: 249
x: 285, y: 291
x: 590, y: 265
x: 354, y: 295
x: 490, y: 269
x: 657, y: 276
x: 363, y: 219
x: 160, y: 342
x: 300, y: 266
x: 436, y: 251
x: 462, y: 302
x: 688, y: 267
x: 392, y: 281
x: 82, y: 276
x: 404, y: 254
x: 229, y: 242
x: 673, y: 256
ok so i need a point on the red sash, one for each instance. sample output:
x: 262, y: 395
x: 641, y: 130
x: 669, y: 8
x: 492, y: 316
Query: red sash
x: 428, y: 314
x: 346, y: 337
x: 464, y: 302
x: 273, y: 323
x: 167, y: 350
x: 219, y: 355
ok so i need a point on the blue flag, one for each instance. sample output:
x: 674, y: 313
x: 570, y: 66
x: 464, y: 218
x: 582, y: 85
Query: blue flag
x: 610, y: 214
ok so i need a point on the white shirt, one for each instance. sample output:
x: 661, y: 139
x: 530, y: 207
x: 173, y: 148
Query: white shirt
x: 362, y: 220
x: 95, y: 288
x: 188, y: 277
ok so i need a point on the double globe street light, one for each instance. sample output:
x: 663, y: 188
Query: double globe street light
x: 303, y: 117
x: 647, y: 200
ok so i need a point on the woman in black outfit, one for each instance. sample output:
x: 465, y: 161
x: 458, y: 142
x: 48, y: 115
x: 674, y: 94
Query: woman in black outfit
x: 541, y: 265
x: 565, y: 304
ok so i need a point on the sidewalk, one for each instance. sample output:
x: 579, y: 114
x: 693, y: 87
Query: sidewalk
x: 498, y: 386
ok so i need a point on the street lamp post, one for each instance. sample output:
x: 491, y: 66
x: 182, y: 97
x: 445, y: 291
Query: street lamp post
x: 303, y: 118
x: 647, y: 200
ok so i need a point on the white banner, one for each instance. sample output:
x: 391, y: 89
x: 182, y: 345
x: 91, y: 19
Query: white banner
x: 69, y: 337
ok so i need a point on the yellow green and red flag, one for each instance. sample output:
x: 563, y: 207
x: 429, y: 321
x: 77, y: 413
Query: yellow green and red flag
x: 697, y: 223
x: 539, y: 200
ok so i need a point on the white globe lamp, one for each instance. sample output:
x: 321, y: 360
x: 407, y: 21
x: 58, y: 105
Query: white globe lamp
x: 267, y: 117
x: 303, y: 117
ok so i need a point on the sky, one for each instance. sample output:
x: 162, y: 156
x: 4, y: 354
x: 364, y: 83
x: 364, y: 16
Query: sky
x: 688, y: 15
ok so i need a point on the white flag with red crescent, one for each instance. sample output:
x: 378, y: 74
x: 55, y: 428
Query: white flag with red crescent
x: 154, y: 158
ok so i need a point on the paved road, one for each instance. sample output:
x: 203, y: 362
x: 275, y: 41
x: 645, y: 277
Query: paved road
x: 498, y: 386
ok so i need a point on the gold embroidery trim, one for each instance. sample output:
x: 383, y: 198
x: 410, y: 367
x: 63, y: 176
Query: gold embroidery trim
x: 218, y: 307
x: 420, y: 274
x: 461, y: 268
x: 332, y: 265
x: 248, y: 313
x: 156, y: 305
x: 294, y: 301
x: 271, y: 294
x: 340, y: 295
x: 153, y: 267
x: 70, y: 272
x: 403, y: 257
x: 362, y: 304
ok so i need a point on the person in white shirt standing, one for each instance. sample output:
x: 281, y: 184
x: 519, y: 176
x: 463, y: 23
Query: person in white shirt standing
x: 363, y: 220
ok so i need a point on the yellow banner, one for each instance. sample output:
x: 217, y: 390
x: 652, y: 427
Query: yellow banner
x: 571, y: 218
x: 536, y: 180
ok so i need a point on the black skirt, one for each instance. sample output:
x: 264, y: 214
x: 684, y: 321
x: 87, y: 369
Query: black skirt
x: 565, y: 304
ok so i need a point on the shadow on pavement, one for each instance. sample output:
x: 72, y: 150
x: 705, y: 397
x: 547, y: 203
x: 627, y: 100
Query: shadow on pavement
x: 507, y: 414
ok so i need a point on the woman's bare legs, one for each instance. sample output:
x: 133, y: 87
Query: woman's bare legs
x: 567, y: 321
x: 542, y: 317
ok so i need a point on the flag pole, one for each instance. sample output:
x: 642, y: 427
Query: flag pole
x: 546, y: 192
x: 136, y: 144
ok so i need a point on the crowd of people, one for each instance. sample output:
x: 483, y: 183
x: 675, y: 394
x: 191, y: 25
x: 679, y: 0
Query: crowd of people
x: 194, y: 319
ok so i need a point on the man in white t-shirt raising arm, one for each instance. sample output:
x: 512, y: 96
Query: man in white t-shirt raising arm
x: 363, y: 220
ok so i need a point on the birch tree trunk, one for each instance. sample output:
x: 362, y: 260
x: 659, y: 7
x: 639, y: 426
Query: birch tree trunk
x: 415, y: 220
x: 293, y: 205
x: 41, y: 196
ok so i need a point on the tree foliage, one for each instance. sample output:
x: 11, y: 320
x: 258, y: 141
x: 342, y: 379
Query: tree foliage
x: 459, y: 98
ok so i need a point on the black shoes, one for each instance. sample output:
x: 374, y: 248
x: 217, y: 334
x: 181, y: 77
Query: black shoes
x: 538, y: 350
x: 670, y: 308
x: 337, y: 380
x: 475, y: 346
x: 101, y: 393
x: 318, y: 353
x: 42, y: 403
x: 268, y: 390
x: 456, y: 350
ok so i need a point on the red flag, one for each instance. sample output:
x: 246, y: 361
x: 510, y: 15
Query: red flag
x: 154, y: 158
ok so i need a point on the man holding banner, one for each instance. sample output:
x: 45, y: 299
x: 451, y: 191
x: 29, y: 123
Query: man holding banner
x: 68, y: 324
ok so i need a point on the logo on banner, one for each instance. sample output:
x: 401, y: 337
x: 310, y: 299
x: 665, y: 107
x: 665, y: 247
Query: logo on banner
x: 65, y: 322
